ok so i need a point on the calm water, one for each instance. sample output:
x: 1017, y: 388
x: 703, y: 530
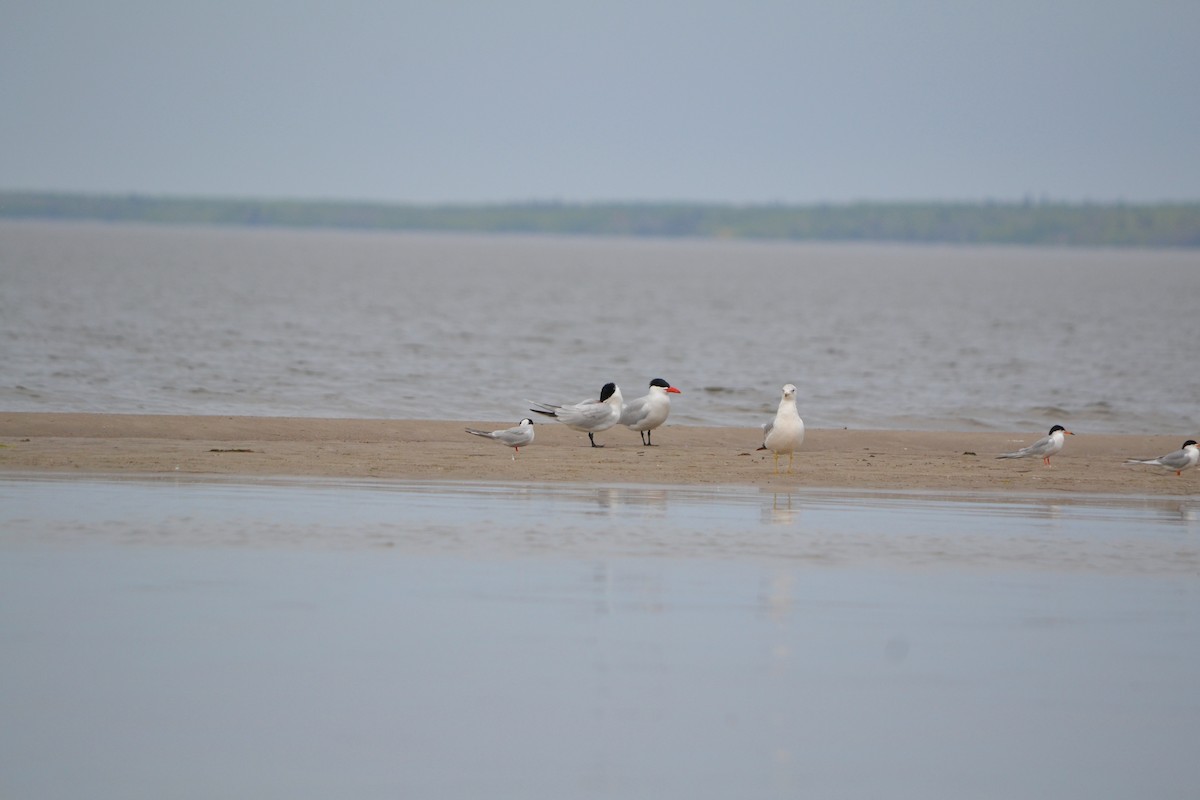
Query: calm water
x: 346, y: 324
x: 291, y: 639
x: 886, y: 529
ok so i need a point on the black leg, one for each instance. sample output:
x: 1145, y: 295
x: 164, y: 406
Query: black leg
x: 592, y: 439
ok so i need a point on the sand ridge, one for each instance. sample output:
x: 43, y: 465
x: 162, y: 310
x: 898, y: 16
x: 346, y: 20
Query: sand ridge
x: 682, y: 455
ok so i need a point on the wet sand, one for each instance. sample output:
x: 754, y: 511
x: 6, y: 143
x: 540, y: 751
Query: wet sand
x: 682, y: 455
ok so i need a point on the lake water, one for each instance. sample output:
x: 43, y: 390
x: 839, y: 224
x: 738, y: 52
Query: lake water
x: 197, y: 320
x: 193, y: 638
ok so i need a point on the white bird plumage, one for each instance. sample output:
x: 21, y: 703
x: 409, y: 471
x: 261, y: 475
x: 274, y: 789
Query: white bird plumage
x: 1044, y: 447
x: 1185, y: 457
x: 516, y: 437
x: 589, y: 416
x: 785, y: 433
x: 649, y: 411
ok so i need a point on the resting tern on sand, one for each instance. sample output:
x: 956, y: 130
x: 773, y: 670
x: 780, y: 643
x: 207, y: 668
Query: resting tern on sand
x: 650, y: 410
x: 785, y: 433
x: 588, y: 416
x: 1185, y: 457
x: 516, y: 438
x: 1044, y: 447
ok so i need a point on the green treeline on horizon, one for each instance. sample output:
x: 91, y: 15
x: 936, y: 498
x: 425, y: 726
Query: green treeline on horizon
x: 1025, y: 223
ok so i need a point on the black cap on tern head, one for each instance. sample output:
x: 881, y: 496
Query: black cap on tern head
x: 1058, y: 428
x: 660, y: 382
x: 1189, y: 441
x: 607, y: 391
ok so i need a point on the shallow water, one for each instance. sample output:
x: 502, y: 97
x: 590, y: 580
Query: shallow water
x: 295, y: 639
x: 200, y: 320
x: 851, y: 528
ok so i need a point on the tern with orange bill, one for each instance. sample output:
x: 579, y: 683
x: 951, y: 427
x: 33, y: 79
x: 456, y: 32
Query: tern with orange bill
x: 1185, y: 457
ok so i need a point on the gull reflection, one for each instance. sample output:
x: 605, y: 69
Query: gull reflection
x: 780, y: 512
x: 778, y: 598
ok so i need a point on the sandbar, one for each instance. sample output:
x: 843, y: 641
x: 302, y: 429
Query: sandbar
x: 946, y: 461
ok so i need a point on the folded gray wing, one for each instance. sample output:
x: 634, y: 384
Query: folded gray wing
x: 587, y: 413
x: 634, y: 411
x: 1177, y: 460
x: 515, y: 437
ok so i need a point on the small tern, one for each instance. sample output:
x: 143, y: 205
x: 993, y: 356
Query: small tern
x: 1185, y: 457
x: 588, y: 416
x: 516, y: 438
x: 785, y: 433
x: 650, y: 410
x: 1044, y: 447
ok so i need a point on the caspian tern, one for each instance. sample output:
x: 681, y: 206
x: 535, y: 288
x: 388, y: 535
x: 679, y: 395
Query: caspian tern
x: 1044, y: 447
x: 516, y: 438
x: 589, y: 416
x: 785, y: 433
x: 650, y: 410
x: 1185, y: 457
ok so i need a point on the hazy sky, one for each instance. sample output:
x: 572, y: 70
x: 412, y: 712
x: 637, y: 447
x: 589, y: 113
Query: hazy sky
x: 579, y: 101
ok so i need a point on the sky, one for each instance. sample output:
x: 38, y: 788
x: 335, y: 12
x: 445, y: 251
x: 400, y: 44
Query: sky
x: 457, y: 101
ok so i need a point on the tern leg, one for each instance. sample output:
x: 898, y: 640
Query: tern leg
x: 790, y: 456
x: 776, y: 463
x: 592, y: 439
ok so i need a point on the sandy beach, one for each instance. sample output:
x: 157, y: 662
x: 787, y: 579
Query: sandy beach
x: 682, y: 455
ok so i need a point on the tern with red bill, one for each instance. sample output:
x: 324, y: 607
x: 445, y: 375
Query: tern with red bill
x: 650, y: 410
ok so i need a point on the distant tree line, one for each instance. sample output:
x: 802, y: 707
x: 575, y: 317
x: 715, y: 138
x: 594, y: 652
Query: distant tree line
x: 1029, y: 223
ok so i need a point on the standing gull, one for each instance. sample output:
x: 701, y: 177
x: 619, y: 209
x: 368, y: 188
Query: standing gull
x: 650, y: 410
x: 785, y: 433
x: 1044, y: 447
x: 588, y: 416
x: 516, y: 438
x: 1185, y: 457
